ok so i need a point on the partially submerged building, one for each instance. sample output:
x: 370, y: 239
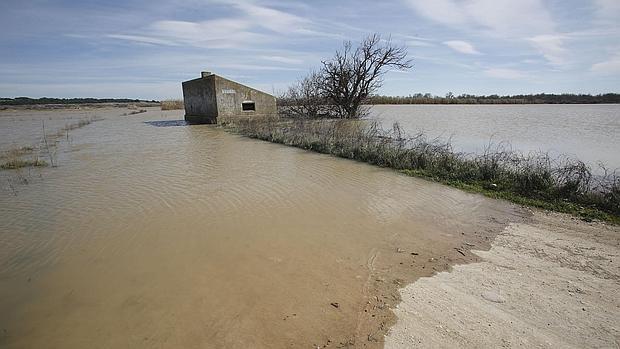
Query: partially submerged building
x: 211, y: 97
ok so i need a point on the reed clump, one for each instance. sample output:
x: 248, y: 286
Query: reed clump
x: 79, y: 124
x: 536, y: 179
x: 15, y: 164
x: 172, y: 104
x: 13, y: 159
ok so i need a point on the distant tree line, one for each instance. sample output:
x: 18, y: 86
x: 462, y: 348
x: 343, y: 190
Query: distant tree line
x: 541, y: 98
x: 48, y: 100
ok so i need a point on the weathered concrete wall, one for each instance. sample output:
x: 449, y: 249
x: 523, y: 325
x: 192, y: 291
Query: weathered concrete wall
x: 199, y: 96
x: 211, y: 97
x: 230, y: 96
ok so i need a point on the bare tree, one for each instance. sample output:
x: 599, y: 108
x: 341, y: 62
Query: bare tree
x: 353, y: 74
x: 303, y: 99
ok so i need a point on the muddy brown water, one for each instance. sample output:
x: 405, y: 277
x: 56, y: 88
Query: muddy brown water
x: 188, y: 236
x: 588, y: 132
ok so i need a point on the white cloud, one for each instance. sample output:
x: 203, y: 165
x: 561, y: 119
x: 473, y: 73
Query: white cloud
x: 501, y: 17
x: 510, y: 17
x: 527, y: 20
x: 505, y: 73
x: 413, y: 41
x: 443, y: 11
x: 275, y: 20
x: 218, y: 33
x: 610, y: 66
x: 462, y: 47
x: 551, y: 47
x: 253, y: 24
x: 281, y: 59
x: 142, y: 39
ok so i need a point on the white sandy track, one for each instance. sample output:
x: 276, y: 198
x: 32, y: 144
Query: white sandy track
x: 551, y: 283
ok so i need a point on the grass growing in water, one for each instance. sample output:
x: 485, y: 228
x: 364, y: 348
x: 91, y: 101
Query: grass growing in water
x: 15, y: 164
x: 562, y: 184
x: 14, y: 159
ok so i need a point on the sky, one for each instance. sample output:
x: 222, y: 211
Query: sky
x: 146, y: 48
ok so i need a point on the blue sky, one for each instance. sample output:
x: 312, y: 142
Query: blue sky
x: 144, y: 49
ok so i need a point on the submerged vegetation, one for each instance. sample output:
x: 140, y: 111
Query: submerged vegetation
x: 13, y: 159
x: 18, y: 163
x: 29, y: 156
x: 564, y: 184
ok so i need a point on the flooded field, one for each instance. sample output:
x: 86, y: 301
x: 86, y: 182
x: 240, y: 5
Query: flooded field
x: 588, y: 132
x: 163, y: 235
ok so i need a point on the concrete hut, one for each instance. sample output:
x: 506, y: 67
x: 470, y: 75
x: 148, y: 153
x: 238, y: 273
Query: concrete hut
x: 210, y: 97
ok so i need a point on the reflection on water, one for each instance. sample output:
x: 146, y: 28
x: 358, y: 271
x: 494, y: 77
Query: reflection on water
x: 588, y: 132
x: 167, y: 123
x: 192, y: 237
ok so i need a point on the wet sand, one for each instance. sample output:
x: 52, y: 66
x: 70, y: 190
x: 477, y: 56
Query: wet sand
x: 191, y: 237
x: 549, y: 282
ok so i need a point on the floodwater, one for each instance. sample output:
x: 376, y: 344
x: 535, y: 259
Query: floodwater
x: 159, y: 235
x: 589, y: 132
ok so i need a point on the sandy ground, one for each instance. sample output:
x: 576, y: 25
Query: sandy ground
x: 552, y: 282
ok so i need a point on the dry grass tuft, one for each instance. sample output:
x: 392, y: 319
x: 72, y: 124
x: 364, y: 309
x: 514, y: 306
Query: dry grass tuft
x: 172, y: 104
x: 14, y: 159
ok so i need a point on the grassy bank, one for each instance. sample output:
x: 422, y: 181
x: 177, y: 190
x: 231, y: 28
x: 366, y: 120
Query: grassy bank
x: 563, y: 184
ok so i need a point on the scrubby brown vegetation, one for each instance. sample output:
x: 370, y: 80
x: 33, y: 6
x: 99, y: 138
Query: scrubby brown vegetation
x: 172, y: 104
x: 562, y: 184
x: 14, y: 159
x: 346, y: 82
x: 18, y: 163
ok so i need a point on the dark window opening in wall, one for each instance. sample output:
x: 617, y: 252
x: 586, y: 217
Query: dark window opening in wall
x: 248, y: 106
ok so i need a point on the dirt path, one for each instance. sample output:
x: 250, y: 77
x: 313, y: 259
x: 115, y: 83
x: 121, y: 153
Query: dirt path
x: 552, y: 282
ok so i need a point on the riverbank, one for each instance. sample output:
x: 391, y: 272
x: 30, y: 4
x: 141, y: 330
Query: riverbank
x: 564, y: 185
x: 550, y: 282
